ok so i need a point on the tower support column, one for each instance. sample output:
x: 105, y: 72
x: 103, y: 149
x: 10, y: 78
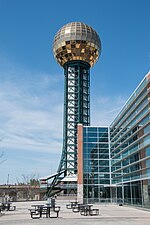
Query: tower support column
x: 76, y: 110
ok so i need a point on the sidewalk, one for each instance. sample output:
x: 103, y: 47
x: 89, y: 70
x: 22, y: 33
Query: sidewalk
x: 111, y: 214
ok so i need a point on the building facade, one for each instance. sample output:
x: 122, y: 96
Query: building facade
x: 95, y: 172
x: 130, y: 147
x: 20, y: 193
x: 114, y: 161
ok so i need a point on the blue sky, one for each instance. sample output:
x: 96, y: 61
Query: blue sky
x: 31, y: 82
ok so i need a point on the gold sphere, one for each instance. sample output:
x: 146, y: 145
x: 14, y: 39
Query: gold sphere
x: 76, y: 41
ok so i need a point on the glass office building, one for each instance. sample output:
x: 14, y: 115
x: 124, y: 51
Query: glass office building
x: 130, y: 147
x: 96, y: 162
x: 114, y: 161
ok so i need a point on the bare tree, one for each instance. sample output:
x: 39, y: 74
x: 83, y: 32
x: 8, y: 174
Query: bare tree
x: 32, y: 183
x: 30, y: 179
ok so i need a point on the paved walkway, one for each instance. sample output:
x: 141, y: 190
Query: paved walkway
x: 110, y: 214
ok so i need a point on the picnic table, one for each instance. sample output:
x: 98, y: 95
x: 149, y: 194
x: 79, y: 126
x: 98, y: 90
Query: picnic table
x: 7, y: 206
x: 84, y: 209
x: 72, y: 204
x: 38, y: 211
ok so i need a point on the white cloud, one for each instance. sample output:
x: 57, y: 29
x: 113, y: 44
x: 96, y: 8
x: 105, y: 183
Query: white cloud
x: 105, y: 109
x: 31, y: 118
x: 31, y: 112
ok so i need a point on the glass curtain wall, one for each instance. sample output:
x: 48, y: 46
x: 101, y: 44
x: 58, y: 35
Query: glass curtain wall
x: 130, y: 147
x: 96, y: 173
x: 117, y: 158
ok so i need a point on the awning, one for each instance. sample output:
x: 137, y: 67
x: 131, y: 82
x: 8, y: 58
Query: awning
x: 70, y: 178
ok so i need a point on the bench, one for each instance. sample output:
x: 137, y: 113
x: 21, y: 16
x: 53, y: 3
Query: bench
x: 56, y: 210
x: 12, y: 208
x: 35, y: 214
x: 78, y: 208
x: 71, y: 205
x: 94, y: 212
x: 84, y: 212
x: 89, y: 212
x: 75, y: 208
x: 68, y: 206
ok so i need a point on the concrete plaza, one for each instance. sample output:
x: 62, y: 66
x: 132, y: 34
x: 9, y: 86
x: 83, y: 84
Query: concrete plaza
x: 109, y: 214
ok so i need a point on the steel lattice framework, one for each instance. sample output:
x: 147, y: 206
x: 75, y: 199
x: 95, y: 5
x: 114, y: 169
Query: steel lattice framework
x: 76, y: 48
x: 76, y: 110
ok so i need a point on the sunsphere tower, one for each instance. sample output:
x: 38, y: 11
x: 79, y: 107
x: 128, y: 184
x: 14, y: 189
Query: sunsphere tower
x: 76, y: 48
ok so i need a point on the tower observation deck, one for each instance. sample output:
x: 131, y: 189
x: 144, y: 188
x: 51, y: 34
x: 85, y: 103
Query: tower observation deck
x: 76, y: 48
